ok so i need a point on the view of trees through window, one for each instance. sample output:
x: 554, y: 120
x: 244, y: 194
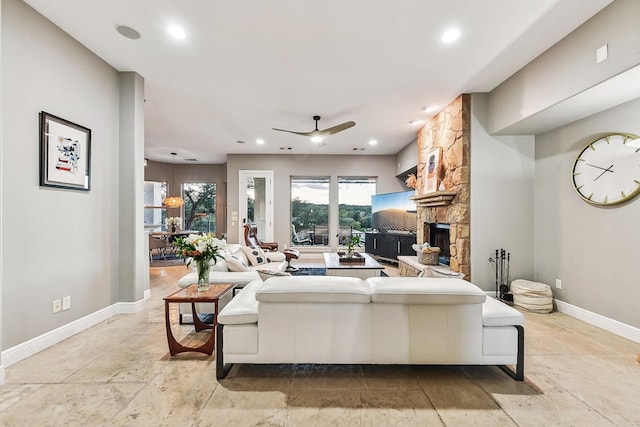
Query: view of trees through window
x: 199, y: 207
x: 310, y: 209
x: 154, y: 213
x: 354, y: 202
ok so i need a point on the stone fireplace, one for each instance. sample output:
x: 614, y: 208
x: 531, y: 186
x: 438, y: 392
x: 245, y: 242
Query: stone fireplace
x: 450, y: 131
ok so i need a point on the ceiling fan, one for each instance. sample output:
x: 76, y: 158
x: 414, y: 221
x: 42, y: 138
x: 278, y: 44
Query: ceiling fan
x: 318, y: 135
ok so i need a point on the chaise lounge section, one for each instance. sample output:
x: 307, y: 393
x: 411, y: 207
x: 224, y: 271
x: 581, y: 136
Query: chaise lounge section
x: 381, y: 320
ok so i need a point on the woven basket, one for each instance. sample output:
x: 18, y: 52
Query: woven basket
x: 432, y: 258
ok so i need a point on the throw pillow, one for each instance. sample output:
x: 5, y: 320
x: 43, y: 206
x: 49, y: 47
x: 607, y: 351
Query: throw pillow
x: 268, y: 274
x: 255, y: 255
x: 235, y: 264
x: 220, y: 265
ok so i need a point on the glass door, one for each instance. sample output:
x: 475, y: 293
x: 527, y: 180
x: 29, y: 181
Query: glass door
x: 256, y: 202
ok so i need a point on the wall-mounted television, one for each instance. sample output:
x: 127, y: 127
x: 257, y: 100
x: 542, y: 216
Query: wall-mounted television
x: 394, y: 212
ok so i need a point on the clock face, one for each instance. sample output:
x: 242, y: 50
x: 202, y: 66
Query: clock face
x: 607, y: 171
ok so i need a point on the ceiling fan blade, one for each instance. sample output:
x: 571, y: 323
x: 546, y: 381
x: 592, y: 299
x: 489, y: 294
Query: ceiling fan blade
x: 297, y: 133
x: 338, y: 128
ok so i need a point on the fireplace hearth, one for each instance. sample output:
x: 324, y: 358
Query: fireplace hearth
x: 437, y: 234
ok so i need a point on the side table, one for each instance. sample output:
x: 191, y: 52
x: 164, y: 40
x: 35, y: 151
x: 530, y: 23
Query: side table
x: 191, y: 295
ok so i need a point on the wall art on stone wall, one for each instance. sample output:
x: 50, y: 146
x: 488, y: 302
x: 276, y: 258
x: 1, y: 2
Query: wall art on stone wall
x: 431, y: 171
x: 65, y: 153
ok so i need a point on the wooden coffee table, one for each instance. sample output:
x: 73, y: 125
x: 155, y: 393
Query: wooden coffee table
x: 191, y: 295
x: 370, y: 267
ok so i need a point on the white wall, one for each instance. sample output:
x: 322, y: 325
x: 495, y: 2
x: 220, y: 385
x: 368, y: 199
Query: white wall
x: 502, y: 177
x: 569, y: 67
x: 285, y: 166
x: 56, y: 242
x: 593, y: 250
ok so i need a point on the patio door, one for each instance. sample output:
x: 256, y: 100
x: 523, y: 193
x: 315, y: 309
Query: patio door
x: 256, y: 202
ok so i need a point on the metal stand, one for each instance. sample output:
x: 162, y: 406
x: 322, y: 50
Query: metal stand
x: 518, y: 373
x: 221, y: 369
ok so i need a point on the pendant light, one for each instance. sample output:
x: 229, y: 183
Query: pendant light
x: 173, y: 201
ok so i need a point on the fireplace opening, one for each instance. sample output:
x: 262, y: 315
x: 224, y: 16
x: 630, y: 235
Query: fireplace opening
x: 437, y: 234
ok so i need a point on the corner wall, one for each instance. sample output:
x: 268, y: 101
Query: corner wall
x: 593, y: 250
x: 61, y: 242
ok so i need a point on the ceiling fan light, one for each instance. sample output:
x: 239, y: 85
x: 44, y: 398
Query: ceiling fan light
x: 317, y: 138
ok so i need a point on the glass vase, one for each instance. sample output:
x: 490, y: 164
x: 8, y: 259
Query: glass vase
x: 203, y: 267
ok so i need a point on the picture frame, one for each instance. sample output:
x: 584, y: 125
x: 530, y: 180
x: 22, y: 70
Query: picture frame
x: 65, y: 154
x: 431, y: 171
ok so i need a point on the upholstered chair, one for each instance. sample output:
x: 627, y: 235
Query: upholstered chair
x: 251, y: 238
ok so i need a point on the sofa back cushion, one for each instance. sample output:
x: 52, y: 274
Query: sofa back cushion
x: 314, y: 289
x: 417, y: 290
x: 255, y: 255
x: 235, y: 263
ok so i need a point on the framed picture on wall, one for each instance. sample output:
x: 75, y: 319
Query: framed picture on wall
x: 431, y: 169
x: 65, y: 154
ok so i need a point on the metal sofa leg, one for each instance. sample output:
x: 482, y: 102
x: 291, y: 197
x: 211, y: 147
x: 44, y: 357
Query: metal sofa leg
x: 221, y: 369
x: 518, y: 374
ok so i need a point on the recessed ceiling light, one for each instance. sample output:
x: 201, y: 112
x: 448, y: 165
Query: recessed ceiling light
x: 373, y: 142
x: 260, y: 141
x: 430, y: 109
x: 450, y: 35
x: 128, y: 32
x: 415, y: 122
x: 176, y: 32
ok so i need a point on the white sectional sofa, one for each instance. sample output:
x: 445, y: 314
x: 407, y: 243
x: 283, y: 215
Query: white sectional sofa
x: 381, y: 320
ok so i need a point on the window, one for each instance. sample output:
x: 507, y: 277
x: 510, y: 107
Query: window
x: 154, y: 212
x: 199, y: 206
x: 310, y: 211
x: 354, y: 206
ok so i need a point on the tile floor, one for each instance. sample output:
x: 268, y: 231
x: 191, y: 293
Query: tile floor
x: 120, y: 373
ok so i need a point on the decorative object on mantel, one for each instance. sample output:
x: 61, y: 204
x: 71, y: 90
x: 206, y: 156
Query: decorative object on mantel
x: 201, y: 249
x: 412, y: 181
x: 427, y: 255
x: 439, y: 198
x: 173, y: 222
x: 432, y: 171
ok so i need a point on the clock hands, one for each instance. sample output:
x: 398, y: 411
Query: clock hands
x: 598, y: 167
x: 603, y: 171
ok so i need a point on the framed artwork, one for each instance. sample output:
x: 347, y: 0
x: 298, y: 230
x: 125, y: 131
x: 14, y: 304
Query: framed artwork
x: 431, y: 169
x: 65, y: 154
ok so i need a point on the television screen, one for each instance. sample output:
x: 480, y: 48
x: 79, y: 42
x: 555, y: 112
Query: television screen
x: 394, y: 212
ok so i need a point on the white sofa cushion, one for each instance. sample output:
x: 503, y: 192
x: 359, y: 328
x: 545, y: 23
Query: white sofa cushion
x: 243, y: 308
x: 416, y: 290
x: 255, y: 255
x: 497, y: 313
x: 235, y: 263
x: 275, y: 257
x: 320, y: 289
x: 241, y: 278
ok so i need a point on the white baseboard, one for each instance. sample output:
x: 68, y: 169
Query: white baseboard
x: 615, y: 327
x: 28, y: 348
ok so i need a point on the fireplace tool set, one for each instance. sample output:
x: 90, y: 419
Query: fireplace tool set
x: 501, y: 267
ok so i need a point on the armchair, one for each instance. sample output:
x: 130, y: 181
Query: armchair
x: 251, y: 238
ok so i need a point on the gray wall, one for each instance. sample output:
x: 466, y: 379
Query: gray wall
x: 56, y: 242
x: 285, y: 166
x: 407, y: 157
x: 502, y: 178
x: 158, y: 171
x: 593, y: 250
x: 569, y: 67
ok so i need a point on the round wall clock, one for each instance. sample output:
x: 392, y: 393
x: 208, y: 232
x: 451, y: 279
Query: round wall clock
x: 607, y: 171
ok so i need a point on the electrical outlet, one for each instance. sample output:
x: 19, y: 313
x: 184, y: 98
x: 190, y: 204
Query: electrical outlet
x: 66, y: 303
x: 558, y: 284
x: 57, y: 306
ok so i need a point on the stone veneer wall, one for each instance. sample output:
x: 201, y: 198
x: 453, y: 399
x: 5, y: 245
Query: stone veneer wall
x: 450, y: 129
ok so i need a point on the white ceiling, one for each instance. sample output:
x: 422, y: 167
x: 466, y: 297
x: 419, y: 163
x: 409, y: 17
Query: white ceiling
x: 249, y: 65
